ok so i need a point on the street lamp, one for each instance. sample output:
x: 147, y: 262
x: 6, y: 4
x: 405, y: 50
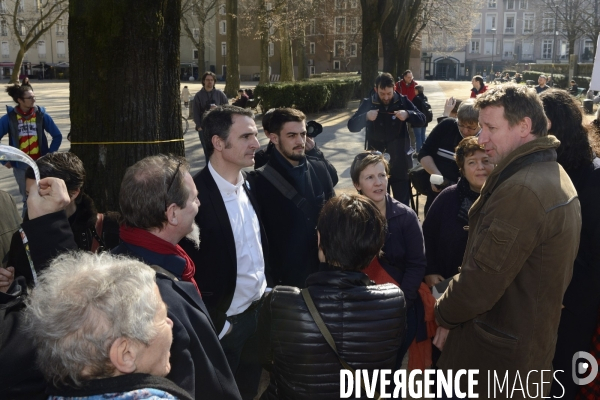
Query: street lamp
x: 493, y: 50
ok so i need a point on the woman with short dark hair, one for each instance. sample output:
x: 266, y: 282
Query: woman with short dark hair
x: 365, y: 320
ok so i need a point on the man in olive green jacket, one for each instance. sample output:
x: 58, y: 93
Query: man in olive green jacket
x: 501, y: 312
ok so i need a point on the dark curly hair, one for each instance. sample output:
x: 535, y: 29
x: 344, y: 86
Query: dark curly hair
x: 567, y: 125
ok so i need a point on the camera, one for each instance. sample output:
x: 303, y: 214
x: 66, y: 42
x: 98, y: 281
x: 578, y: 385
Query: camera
x: 313, y: 129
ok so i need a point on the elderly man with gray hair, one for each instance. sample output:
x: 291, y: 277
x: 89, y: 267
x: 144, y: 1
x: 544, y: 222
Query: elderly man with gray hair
x: 100, y: 327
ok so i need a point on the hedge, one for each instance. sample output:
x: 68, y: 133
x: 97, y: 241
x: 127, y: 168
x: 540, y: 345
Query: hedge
x: 309, y: 96
x: 560, y: 80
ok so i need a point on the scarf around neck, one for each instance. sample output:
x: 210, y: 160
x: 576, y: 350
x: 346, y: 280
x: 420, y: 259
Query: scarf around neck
x: 143, y: 238
x: 466, y: 198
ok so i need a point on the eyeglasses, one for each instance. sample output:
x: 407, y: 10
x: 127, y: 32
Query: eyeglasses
x: 171, y: 184
x: 362, y: 156
x: 29, y: 98
x: 469, y: 128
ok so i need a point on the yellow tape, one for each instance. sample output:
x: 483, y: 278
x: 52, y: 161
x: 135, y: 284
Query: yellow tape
x: 143, y: 142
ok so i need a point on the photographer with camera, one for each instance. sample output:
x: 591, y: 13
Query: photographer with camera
x: 313, y: 129
x: 291, y: 188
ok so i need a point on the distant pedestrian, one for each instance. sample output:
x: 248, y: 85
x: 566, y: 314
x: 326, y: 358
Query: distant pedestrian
x: 478, y: 86
x: 185, y: 96
x: 26, y: 124
x: 542, y: 84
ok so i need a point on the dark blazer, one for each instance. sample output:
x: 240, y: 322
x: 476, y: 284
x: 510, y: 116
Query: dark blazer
x: 216, y: 261
x: 198, y: 364
x: 292, y: 235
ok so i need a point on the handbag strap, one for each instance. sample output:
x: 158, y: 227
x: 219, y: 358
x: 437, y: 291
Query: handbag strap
x: 325, y: 332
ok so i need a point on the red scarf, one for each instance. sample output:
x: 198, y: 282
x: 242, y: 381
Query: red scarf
x: 142, y: 238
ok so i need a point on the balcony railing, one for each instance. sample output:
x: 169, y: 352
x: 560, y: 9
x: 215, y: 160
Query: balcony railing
x: 509, y: 30
x: 527, y: 56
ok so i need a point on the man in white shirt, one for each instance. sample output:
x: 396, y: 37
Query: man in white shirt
x: 230, y: 263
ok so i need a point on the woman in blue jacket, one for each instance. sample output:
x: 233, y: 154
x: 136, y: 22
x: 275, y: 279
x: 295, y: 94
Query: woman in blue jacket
x: 26, y: 124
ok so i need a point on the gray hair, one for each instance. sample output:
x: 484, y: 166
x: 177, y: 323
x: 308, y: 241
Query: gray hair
x: 149, y: 187
x: 467, y: 113
x: 81, y: 305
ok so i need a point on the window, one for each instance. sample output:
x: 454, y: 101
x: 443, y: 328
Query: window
x: 340, y: 4
x: 21, y: 6
x: 340, y: 25
x: 311, y: 48
x: 528, y: 22
x: 194, y: 54
x: 312, y: 27
x: 5, y: 50
x: 508, y: 48
x: 271, y: 27
x: 564, y: 50
x: 354, y: 25
x: 269, y: 6
x: 222, y: 9
x: 509, y: 23
x: 223, y: 27
x: 527, y: 50
x: 588, y: 50
x: 311, y: 70
x: 477, y: 28
x: 41, y: 45
x: 223, y: 48
x: 547, y: 46
x: 3, y: 8
x: 336, y: 65
x: 21, y: 27
x: 510, y: 4
x: 353, y: 50
x: 548, y: 22
x: 474, y: 46
x: 60, y: 29
x: 3, y: 28
x: 60, y: 49
x: 58, y: 4
x: 271, y: 49
x: 353, y: 3
x: 491, y: 3
x: 490, y: 22
x: 522, y: 4
x: 196, y: 33
x: 490, y: 45
x: 338, y: 48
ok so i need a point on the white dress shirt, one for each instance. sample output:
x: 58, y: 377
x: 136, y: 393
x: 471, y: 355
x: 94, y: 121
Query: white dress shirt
x: 251, y: 282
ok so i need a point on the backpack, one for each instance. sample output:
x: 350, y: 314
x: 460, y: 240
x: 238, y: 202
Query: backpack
x: 427, y: 110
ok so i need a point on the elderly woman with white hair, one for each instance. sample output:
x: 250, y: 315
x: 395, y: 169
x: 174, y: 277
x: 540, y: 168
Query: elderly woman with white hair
x: 101, y: 329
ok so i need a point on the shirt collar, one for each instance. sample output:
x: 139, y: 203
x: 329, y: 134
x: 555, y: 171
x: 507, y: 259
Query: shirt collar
x: 223, y: 185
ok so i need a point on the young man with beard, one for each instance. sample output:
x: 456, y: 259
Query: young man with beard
x: 159, y: 202
x: 291, y: 190
x: 230, y: 262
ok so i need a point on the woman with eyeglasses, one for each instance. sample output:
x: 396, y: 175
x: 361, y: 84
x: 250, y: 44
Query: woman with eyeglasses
x: 26, y: 124
x: 437, y: 154
x: 403, y: 256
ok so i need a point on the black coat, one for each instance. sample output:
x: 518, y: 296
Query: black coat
x: 20, y: 378
x: 216, y: 261
x: 366, y: 321
x: 198, y: 364
x: 387, y: 133
x: 292, y: 235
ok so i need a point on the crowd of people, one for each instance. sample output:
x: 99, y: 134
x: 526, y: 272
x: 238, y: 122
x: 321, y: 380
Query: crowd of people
x: 199, y: 284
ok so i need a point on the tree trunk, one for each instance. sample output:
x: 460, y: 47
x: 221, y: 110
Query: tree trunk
x: 403, y: 59
x: 301, y: 52
x: 201, y: 13
x: 287, y: 61
x: 264, y: 46
x: 389, y: 39
x: 124, y: 87
x: 233, y: 65
x: 371, y: 25
x: 18, y: 63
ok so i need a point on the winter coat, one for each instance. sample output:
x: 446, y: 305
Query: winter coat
x: 504, y: 307
x: 366, y: 321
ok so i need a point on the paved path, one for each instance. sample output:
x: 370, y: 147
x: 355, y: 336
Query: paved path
x: 339, y: 145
